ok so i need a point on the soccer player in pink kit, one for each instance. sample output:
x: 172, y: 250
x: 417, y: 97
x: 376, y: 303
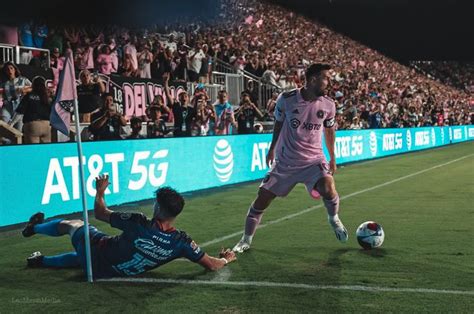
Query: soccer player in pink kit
x: 301, y: 116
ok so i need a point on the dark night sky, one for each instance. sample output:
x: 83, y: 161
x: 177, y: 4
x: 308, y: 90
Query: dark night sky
x: 403, y: 29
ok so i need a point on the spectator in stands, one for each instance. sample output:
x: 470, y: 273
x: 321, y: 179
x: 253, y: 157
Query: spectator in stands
x: 165, y: 111
x: 35, y: 108
x: 246, y: 114
x: 270, y: 107
x: 86, y: 56
x: 57, y: 61
x: 205, y: 65
x: 184, y: 114
x: 40, y: 35
x: 144, y: 57
x: 252, y: 66
x: 14, y: 88
x: 107, y: 122
x: 225, y: 119
x: 375, y: 118
x: 195, y: 57
x: 270, y: 77
x: 127, y: 69
x: 205, y: 117
x: 356, y: 124
x: 26, y: 35
x: 88, y: 94
x: 113, y: 54
x: 105, y: 61
x: 136, y: 126
x: 156, y: 126
x: 54, y: 40
x: 130, y: 51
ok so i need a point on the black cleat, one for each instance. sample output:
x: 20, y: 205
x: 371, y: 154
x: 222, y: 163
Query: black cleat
x: 35, y: 260
x: 36, y: 219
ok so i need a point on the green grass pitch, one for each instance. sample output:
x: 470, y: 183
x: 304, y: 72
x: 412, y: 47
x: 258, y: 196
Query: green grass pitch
x: 428, y: 222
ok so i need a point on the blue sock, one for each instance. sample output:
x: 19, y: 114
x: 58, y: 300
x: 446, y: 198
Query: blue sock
x: 48, y: 228
x: 62, y: 260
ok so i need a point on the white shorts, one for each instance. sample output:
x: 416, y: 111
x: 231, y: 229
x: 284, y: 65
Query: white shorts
x: 281, y: 179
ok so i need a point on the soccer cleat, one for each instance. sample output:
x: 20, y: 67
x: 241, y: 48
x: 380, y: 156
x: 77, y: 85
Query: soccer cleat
x: 242, y: 246
x: 36, y: 219
x: 35, y: 260
x: 339, y: 229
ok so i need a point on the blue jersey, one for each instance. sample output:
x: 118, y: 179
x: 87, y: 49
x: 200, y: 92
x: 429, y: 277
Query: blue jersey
x: 141, y: 247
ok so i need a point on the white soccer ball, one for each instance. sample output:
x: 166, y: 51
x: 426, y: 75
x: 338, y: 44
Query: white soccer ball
x: 370, y: 235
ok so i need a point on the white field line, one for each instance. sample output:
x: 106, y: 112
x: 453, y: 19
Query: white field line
x: 269, y: 223
x: 287, y: 285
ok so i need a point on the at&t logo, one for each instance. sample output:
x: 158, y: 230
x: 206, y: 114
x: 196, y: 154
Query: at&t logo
x: 223, y: 160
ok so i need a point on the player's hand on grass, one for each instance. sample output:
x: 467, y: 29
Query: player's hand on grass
x: 270, y: 157
x: 228, y: 254
x: 332, y: 166
x: 101, y: 183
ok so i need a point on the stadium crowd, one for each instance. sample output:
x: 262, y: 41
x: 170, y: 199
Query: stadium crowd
x: 369, y: 89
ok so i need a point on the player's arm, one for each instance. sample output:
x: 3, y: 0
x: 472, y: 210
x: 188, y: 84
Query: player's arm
x: 330, y: 138
x: 101, y: 212
x: 213, y: 263
x: 279, y: 119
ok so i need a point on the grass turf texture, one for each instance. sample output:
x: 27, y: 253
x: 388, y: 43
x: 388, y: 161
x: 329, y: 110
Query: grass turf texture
x: 427, y: 220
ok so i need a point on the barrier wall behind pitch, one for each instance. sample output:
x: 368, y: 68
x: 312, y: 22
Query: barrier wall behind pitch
x: 46, y: 177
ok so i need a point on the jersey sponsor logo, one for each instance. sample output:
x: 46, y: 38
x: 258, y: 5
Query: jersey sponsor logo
x: 311, y: 126
x: 329, y: 123
x: 320, y: 114
x: 148, y: 247
x: 295, y: 123
x: 223, y: 160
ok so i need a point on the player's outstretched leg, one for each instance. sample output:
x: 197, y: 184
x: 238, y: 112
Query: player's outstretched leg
x: 326, y: 187
x: 53, y: 228
x: 65, y: 260
x: 254, y: 216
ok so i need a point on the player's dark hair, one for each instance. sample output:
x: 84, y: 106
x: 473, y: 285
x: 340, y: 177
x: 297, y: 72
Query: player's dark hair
x: 170, y: 201
x: 315, y: 69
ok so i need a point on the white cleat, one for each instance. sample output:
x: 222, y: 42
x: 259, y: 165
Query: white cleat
x: 242, y: 246
x: 339, y: 229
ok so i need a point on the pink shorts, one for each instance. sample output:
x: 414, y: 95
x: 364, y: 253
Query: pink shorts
x: 281, y: 179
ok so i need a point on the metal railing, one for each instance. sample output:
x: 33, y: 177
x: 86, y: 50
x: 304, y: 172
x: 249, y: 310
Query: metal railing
x: 224, y: 73
x: 24, y: 55
x: 7, y: 53
x: 212, y: 89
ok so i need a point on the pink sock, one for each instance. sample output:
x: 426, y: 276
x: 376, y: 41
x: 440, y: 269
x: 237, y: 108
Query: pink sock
x: 254, y: 216
x: 332, y: 205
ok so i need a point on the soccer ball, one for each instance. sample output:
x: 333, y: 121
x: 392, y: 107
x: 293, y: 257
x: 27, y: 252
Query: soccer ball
x: 370, y: 235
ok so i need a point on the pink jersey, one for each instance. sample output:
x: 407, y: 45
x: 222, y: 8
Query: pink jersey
x: 300, y: 140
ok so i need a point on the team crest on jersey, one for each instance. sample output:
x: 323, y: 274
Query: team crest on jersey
x: 320, y: 114
x: 295, y: 123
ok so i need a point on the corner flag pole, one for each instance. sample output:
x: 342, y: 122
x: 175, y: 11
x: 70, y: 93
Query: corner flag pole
x: 60, y: 118
x: 85, y: 217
